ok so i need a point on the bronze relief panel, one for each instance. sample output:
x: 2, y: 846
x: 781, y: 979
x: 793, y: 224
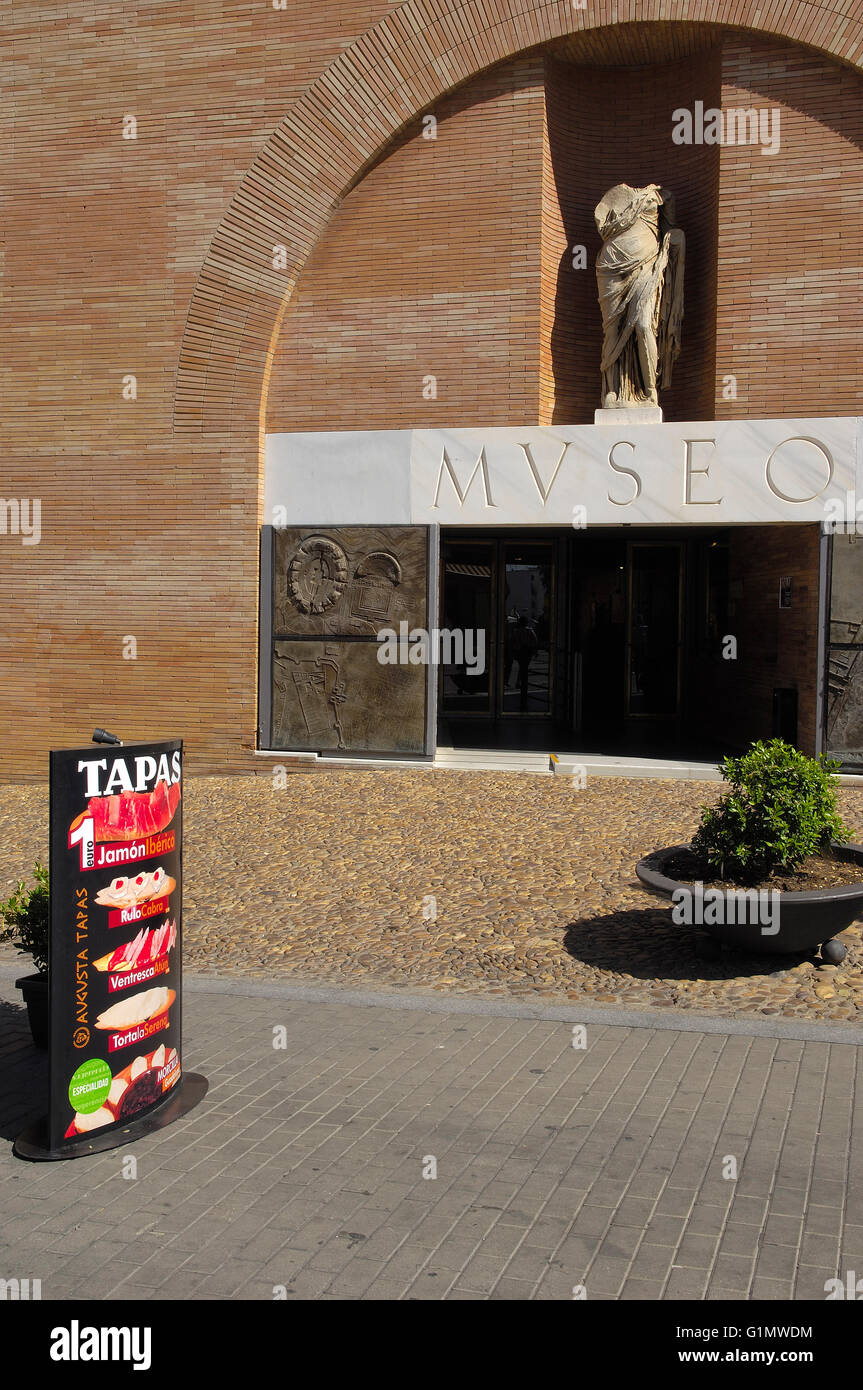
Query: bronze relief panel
x: 337, y: 695
x: 334, y: 590
x: 349, y: 580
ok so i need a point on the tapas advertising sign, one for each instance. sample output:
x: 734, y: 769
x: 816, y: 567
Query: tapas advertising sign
x: 116, y: 912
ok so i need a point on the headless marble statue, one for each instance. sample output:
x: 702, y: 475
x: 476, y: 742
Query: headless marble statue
x: 639, y: 272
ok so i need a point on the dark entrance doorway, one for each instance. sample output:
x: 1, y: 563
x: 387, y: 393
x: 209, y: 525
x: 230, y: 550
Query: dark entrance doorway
x: 588, y: 639
x: 628, y: 636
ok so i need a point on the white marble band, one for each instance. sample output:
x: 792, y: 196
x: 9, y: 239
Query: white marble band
x: 706, y: 472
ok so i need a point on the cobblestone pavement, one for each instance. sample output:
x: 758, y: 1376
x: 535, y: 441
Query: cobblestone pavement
x: 557, y: 1166
x: 327, y: 879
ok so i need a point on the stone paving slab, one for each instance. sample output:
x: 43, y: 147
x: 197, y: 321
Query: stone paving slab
x: 332, y: 877
x: 556, y: 1166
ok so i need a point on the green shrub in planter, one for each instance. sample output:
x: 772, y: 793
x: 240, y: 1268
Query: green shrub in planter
x: 781, y: 808
x: 25, y: 919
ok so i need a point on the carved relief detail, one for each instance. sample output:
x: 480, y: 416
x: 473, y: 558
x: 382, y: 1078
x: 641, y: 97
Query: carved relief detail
x: 375, y: 580
x: 317, y: 575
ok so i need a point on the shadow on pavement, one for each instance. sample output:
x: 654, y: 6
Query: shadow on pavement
x: 646, y: 944
x: 23, y: 1073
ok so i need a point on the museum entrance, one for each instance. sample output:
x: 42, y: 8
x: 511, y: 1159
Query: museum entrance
x: 587, y: 639
x: 502, y: 593
x: 679, y: 642
x: 628, y: 636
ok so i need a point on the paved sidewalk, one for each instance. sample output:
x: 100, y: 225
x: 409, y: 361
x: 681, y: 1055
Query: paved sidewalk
x: 556, y: 1166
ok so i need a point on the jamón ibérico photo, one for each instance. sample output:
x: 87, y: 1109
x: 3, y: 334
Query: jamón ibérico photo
x: 131, y: 815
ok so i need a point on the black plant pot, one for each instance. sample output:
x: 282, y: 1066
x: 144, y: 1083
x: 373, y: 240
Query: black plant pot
x: 806, y: 919
x: 37, y: 998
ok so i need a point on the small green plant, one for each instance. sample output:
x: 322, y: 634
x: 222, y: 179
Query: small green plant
x: 781, y: 807
x: 25, y: 918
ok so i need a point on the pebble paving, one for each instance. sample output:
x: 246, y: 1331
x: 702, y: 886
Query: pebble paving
x: 491, y: 883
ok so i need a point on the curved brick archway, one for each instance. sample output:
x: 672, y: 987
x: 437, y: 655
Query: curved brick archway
x: 345, y: 119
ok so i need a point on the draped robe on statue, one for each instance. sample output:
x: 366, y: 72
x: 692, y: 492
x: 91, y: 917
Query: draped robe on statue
x: 639, y: 272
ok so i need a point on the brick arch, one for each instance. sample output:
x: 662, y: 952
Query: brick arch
x: 344, y: 121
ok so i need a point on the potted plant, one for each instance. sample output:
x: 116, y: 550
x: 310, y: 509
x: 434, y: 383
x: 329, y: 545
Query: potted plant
x: 769, y: 868
x: 25, y: 922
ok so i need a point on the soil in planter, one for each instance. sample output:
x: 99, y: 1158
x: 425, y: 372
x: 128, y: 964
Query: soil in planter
x: 818, y: 871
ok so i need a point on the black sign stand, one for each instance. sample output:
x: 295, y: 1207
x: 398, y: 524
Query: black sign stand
x: 33, y: 1143
x: 115, y: 952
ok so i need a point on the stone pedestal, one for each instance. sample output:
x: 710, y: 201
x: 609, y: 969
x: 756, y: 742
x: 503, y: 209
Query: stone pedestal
x: 629, y: 415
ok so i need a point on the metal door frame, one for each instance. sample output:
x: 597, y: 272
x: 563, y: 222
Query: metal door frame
x: 444, y: 544
x: 497, y: 540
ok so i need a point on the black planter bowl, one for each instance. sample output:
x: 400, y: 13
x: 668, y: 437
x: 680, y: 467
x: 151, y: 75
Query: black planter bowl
x: 806, y: 919
x: 36, y: 996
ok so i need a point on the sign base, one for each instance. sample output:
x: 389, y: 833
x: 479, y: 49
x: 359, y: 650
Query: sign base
x: 32, y: 1143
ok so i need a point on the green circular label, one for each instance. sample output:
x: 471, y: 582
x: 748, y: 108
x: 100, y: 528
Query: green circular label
x: 89, y: 1087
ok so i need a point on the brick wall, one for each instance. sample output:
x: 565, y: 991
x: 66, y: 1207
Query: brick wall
x: 523, y: 155
x: 430, y: 268
x: 774, y: 272
x: 790, y: 293
x: 103, y: 238
x: 116, y: 252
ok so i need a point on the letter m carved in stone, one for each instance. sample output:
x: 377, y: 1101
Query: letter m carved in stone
x: 481, y: 467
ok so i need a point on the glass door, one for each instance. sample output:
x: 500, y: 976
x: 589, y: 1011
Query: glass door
x: 526, y: 623
x: 497, y: 596
x: 467, y: 605
x: 654, y: 630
